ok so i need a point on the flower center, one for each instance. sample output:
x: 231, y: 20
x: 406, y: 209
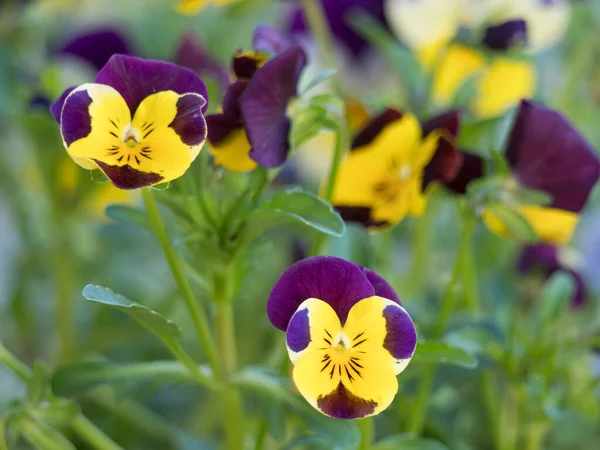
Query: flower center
x: 341, y: 343
x: 405, y: 173
x: 131, y: 136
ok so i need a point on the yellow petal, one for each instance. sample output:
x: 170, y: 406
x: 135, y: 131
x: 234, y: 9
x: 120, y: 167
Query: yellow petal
x: 553, y: 226
x: 503, y: 85
x: 232, y: 152
x: 457, y: 65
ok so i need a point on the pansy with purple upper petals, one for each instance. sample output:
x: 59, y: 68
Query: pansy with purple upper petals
x: 141, y: 122
x: 346, y: 333
x: 253, y: 127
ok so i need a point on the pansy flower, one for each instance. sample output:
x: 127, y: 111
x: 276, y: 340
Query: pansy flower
x: 253, y: 127
x: 545, y: 153
x: 346, y: 333
x: 500, y: 81
x: 392, y: 162
x: 141, y: 122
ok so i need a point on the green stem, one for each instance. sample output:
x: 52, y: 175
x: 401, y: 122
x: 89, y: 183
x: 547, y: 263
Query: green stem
x: 224, y: 319
x: 41, y: 438
x: 81, y: 425
x: 536, y: 435
x: 91, y: 434
x: 177, y: 268
x: 509, y: 418
x: 417, y: 420
x: 65, y: 309
x: 367, y: 433
x: 338, y: 153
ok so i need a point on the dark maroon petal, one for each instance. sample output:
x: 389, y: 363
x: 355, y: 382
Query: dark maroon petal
x: 57, y: 106
x: 343, y: 404
x: 96, y: 47
x: 245, y: 65
x: 338, y: 282
x: 126, y: 177
x: 270, y: 40
x: 471, y: 168
x: 360, y: 214
x: 231, y: 100
x: 220, y: 126
x: 298, y: 331
x: 136, y: 78
x: 401, y: 334
x: 76, y: 122
x: 264, y: 105
x: 506, y: 35
x: 191, y: 54
x: 446, y: 160
x: 382, y: 287
x: 189, y: 122
x: 547, y: 153
x: 337, y: 12
x: 371, y: 130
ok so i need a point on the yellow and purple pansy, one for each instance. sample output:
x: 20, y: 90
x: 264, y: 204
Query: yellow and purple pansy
x: 346, y: 332
x: 546, y: 153
x: 141, y: 122
x: 253, y: 127
x: 392, y: 162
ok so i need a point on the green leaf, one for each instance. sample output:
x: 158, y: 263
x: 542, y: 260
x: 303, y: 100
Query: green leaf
x: 319, y: 79
x: 517, y: 226
x: 128, y: 215
x: 43, y: 436
x: 443, y: 353
x: 475, y: 340
x: 59, y: 412
x: 306, y: 123
x: 79, y: 377
x: 408, y: 441
x: 294, y: 206
x: 151, y: 320
x: 466, y: 93
x: 556, y: 296
x: 38, y: 383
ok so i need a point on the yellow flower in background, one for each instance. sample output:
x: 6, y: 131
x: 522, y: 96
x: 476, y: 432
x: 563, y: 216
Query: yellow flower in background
x: 195, y: 6
x: 500, y: 82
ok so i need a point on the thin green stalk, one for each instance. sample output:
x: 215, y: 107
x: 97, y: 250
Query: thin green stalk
x: 417, y: 420
x: 43, y: 438
x: 367, y: 433
x: 65, y: 306
x: 81, y: 425
x: 509, y: 419
x: 536, y: 435
x: 224, y: 319
x: 177, y: 268
x: 91, y: 434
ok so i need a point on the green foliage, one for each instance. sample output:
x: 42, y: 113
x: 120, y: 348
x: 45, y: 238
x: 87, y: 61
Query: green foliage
x: 443, y: 353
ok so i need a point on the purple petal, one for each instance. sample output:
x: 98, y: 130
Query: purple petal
x: 264, y: 105
x: 337, y: 282
x: 337, y: 12
x: 136, y: 78
x: 382, y: 287
x: 245, y: 65
x: 298, y: 331
x: 75, y: 120
x: 189, y: 123
x: 343, y: 404
x: 96, y: 47
x: 506, y: 35
x: 57, y: 107
x: 471, y: 169
x: 126, y: 177
x: 446, y: 160
x: 191, y: 54
x: 220, y: 126
x: 270, y: 40
x: 547, y: 153
x: 370, y: 131
x: 401, y: 334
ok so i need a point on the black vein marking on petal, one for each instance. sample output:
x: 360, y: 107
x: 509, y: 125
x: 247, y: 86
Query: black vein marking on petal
x: 325, y: 366
x: 144, y: 126
x: 145, y: 156
x: 330, y: 336
x: 325, y: 358
x: 114, y: 134
x: 128, y: 157
x: 147, y: 125
x: 327, y: 340
x: 119, y: 158
x: 355, y: 369
x: 137, y: 160
x: 358, y: 343
x: 148, y: 133
x: 350, y: 377
x: 357, y: 336
x: 114, y: 124
x: 354, y: 361
x: 331, y: 373
x: 340, y: 369
x: 146, y: 149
